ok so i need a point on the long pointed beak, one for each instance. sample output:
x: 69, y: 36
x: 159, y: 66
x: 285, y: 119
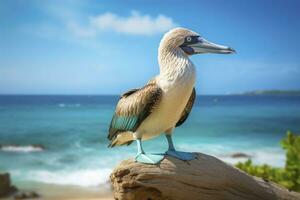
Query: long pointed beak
x: 204, y: 46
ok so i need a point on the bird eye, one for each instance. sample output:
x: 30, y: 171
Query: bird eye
x: 189, y: 39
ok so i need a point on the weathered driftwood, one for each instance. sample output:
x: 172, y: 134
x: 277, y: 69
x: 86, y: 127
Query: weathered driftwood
x: 206, y: 178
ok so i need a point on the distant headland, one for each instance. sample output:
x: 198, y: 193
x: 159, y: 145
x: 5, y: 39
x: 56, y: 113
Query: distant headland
x: 272, y: 92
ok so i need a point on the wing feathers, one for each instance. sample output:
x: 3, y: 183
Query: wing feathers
x: 133, y: 107
x: 187, y: 109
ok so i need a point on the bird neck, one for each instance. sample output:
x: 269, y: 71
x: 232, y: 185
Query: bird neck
x: 174, y: 65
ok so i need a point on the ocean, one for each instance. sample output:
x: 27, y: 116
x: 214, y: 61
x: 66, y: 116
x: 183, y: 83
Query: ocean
x: 62, y: 139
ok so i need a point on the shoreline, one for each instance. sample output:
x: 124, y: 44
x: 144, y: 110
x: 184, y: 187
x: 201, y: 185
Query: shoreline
x: 65, y: 192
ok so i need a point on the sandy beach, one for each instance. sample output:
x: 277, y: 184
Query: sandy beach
x: 63, y: 192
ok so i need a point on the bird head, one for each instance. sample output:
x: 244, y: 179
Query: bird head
x: 191, y: 43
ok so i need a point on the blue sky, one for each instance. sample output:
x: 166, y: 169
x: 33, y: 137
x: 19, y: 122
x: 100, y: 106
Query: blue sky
x: 107, y: 47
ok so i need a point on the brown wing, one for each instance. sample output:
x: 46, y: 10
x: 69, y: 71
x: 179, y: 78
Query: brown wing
x: 187, y: 109
x: 133, y: 108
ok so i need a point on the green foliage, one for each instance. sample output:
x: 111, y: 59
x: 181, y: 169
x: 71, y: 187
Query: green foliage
x: 292, y: 166
x: 289, y: 176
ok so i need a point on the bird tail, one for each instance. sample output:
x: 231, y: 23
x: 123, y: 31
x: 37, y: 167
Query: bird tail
x: 124, y: 138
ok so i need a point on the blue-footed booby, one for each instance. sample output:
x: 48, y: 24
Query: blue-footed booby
x: 165, y: 102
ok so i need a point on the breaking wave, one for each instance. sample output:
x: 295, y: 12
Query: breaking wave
x: 22, y: 149
x: 83, y: 178
x: 62, y: 105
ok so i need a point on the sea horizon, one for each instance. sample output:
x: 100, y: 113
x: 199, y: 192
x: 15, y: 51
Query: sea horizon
x: 257, y: 92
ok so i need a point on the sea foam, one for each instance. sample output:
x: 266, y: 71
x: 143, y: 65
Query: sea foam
x: 22, y: 149
x: 83, y: 178
x: 62, y: 105
x: 274, y: 156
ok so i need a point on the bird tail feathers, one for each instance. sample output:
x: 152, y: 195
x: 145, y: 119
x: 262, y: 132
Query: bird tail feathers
x: 124, y: 138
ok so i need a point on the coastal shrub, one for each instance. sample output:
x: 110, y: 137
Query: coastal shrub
x: 289, y: 176
x: 292, y: 166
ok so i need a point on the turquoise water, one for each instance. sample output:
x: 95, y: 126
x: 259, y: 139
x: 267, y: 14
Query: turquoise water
x: 73, y: 130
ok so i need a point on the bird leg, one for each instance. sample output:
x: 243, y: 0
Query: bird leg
x: 142, y: 157
x: 178, y: 154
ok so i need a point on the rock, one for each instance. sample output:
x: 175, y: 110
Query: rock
x: 13, y: 189
x: 20, y: 196
x: 26, y: 195
x: 39, y: 146
x: 6, y: 189
x: 240, y: 155
x: 33, y: 195
x: 5, y: 185
x: 205, y: 178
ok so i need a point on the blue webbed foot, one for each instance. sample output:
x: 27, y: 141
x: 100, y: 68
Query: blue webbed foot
x: 181, y: 155
x: 149, y: 158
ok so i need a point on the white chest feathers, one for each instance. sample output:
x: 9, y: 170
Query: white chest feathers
x: 177, y: 83
x: 176, y: 93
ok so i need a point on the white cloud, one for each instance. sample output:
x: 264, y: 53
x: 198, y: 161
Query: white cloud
x: 134, y: 24
x: 69, y: 18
